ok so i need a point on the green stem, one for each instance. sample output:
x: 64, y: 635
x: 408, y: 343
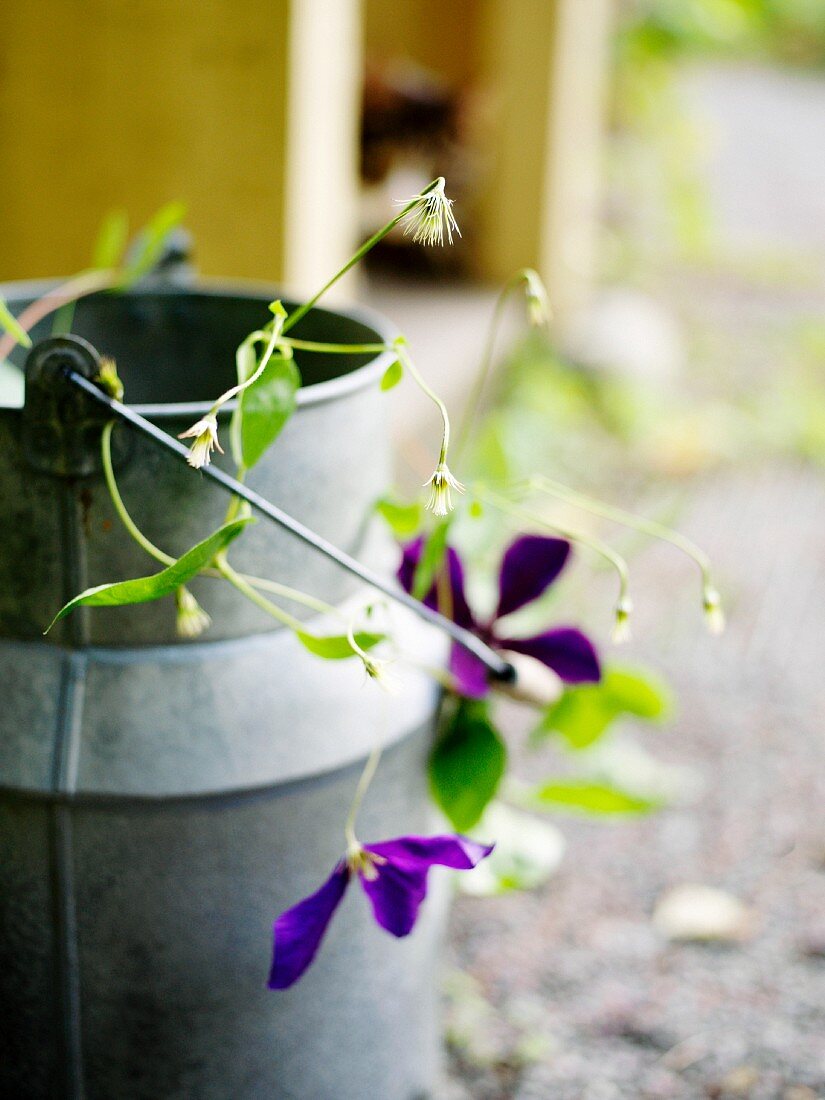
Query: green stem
x: 245, y: 588
x: 356, y: 648
x: 117, y: 500
x: 294, y: 594
x: 265, y: 585
x: 474, y: 400
x: 301, y: 311
x: 233, y: 391
x: 627, y: 519
x: 334, y: 349
x: 407, y: 363
x: 235, y: 502
x: 364, y: 781
x: 601, y: 548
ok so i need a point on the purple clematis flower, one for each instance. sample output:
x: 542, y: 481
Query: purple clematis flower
x: 528, y: 568
x: 393, y: 875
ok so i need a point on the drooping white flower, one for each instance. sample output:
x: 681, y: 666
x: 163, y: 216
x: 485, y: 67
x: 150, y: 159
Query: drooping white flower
x: 621, y: 623
x: 441, y: 485
x: 712, y: 605
x: 430, y: 216
x: 378, y: 670
x: 191, y: 619
x: 205, y: 435
x: 538, y: 303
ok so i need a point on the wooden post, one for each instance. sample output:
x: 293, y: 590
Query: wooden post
x: 546, y: 63
x: 247, y: 111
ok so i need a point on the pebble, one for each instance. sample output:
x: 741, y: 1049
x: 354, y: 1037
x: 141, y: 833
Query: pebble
x: 695, y: 913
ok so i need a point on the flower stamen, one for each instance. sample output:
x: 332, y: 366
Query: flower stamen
x: 430, y: 215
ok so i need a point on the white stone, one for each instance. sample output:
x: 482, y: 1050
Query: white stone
x: 694, y: 912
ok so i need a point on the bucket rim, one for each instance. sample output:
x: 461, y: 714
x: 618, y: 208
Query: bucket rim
x: 316, y: 393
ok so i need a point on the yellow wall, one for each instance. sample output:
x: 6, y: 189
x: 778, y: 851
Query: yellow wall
x: 132, y: 103
x: 442, y: 35
x: 248, y: 111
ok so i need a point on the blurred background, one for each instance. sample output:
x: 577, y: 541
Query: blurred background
x: 662, y: 164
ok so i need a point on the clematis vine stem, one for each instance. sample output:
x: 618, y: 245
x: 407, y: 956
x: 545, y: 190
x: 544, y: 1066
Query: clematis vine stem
x: 117, y: 500
x: 710, y: 596
x: 441, y: 483
x: 262, y: 583
x: 364, y: 781
x: 400, y: 347
x: 527, y: 278
x: 245, y: 588
x: 623, y: 603
x: 334, y: 349
x: 366, y: 247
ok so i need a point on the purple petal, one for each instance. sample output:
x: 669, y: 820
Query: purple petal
x: 400, y: 884
x: 565, y: 650
x: 298, y: 932
x: 469, y: 673
x: 528, y: 567
x: 460, y: 611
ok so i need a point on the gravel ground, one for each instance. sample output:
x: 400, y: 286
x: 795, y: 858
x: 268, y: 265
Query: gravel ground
x: 589, y: 1000
x: 571, y: 992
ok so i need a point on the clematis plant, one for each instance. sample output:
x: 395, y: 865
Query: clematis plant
x: 529, y: 566
x: 469, y: 757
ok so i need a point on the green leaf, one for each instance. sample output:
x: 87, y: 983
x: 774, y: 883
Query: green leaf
x: 266, y: 406
x: 637, y: 692
x: 583, y: 714
x: 12, y: 326
x: 404, y: 520
x: 466, y: 764
x: 150, y: 242
x: 111, y: 240
x: 336, y: 647
x: 600, y: 799
x: 392, y: 375
x: 580, y: 716
x: 145, y: 589
x: 432, y: 555
x: 246, y: 360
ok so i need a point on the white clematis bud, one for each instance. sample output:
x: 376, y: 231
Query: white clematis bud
x: 191, y: 620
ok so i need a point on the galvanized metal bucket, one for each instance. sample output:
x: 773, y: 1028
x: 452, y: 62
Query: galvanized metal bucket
x: 162, y: 801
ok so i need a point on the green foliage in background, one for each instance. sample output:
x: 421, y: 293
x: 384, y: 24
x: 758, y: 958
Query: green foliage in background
x: 583, y: 713
x: 787, y: 30
x: 660, y: 145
